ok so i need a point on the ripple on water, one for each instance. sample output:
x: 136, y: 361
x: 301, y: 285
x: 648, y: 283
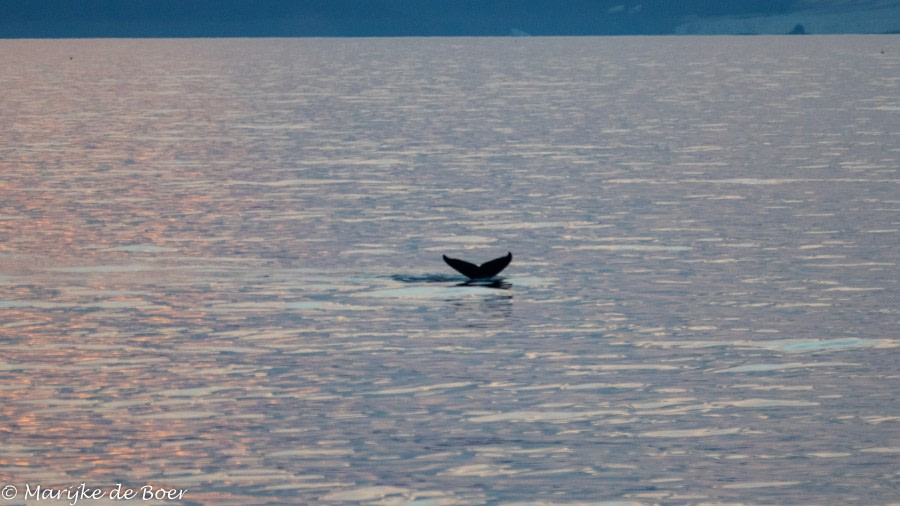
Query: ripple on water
x: 784, y: 366
x: 783, y: 345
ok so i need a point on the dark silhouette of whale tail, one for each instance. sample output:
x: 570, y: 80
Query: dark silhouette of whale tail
x: 486, y: 270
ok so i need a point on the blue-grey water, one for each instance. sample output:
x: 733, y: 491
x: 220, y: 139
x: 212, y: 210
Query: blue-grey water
x: 220, y: 269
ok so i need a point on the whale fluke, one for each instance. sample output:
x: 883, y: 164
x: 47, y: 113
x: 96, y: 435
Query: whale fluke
x: 486, y: 270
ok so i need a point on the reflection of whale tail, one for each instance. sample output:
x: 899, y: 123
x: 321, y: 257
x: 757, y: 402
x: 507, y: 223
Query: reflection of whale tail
x: 485, y: 270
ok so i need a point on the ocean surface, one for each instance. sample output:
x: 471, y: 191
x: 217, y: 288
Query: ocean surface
x: 220, y: 270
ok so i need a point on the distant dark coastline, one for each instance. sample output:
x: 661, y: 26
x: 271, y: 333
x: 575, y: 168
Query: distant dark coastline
x: 399, y: 18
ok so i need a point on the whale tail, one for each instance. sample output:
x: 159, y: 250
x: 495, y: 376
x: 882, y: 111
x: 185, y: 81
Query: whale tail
x: 488, y: 269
